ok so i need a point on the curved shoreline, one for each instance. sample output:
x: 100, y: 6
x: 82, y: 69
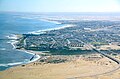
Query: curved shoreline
x: 34, y: 59
x: 13, y: 41
x: 14, y: 38
x: 57, y: 28
x: 10, y: 65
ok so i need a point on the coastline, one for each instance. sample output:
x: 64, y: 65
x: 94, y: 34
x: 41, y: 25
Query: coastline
x: 44, y: 31
x: 33, y: 53
x: 51, y: 21
x: 37, y: 65
x: 13, y: 40
x: 57, y: 28
x: 77, y: 67
x: 28, y: 61
x: 26, y: 51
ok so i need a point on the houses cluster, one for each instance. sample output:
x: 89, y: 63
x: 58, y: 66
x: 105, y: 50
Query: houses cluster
x: 75, y: 37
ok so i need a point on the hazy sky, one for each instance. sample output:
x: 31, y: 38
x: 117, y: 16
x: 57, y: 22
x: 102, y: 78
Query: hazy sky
x: 60, y: 5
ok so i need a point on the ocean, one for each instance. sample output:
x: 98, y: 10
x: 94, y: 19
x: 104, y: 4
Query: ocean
x: 18, y: 23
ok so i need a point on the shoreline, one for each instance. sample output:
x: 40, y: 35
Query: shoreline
x: 32, y: 53
x: 11, y: 65
x: 57, y: 28
x: 13, y: 42
x: 14, y: 38
x: 47, y: 20
x: 77, y: 67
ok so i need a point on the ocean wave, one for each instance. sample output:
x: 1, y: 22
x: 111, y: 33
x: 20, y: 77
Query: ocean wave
x: 37, y: 32
x: 12, y: 36
x: 42, y: 19
x: 50, y: 21
x: 34, y: 59
x: 20, y: 63
x: 13, y: 40
x: 2, y: 48
x: 43, y: 31
x: 13, y: 44
x: 24, y: 17
x: 26, y: 61
x: 11, y: 64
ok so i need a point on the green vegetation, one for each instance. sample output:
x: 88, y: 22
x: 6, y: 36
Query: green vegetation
x: 71, y: 52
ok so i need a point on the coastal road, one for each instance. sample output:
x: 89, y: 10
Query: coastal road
x: 106, y: 55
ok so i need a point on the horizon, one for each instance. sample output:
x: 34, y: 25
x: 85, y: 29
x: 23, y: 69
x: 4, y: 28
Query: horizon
x: 59, y: 12
x: 109, y: 14
x: 46, y: 6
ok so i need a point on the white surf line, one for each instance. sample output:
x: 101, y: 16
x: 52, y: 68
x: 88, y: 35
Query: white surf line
x: 24, y: 62
x: 57, y: 28
x: 13, y: 42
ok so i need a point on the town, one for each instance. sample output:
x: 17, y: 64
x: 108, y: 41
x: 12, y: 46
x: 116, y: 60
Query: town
x: 83, y: 35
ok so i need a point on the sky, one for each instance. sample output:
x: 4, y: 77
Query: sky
x: 60, y: 5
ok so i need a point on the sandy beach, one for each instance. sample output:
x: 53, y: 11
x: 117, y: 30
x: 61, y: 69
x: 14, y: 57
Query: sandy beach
x: 79, y: 67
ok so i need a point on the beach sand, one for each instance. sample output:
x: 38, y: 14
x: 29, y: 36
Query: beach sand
x: 79, y: 68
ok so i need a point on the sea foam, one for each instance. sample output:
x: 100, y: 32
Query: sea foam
x: 20, y: 63
x: 43, y: 31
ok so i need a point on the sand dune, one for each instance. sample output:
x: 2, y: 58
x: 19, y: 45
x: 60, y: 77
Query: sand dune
x: 78, y: 68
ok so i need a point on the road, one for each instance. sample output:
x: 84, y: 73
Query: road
x: 104, y: 54
x: 108, y: 56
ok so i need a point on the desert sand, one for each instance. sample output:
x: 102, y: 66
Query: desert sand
x: 107, y: 47
x: 88, y: 67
